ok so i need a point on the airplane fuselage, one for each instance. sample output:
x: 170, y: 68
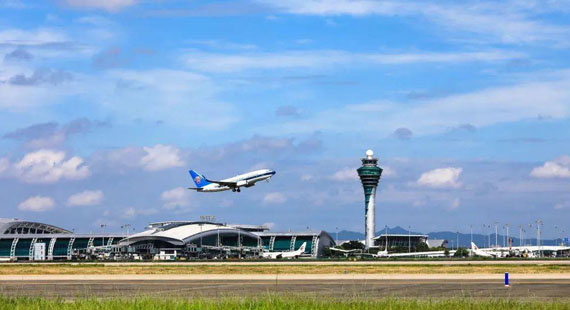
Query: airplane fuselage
x: 243, y: 180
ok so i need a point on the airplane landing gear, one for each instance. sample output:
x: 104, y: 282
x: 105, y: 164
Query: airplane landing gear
x: 238, y: 190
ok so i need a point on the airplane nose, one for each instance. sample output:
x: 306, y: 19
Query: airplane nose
x: 273, y: 172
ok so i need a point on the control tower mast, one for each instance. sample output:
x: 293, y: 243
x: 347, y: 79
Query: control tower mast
x: 369, y: 175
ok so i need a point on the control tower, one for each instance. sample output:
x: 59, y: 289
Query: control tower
x: 369, y: 175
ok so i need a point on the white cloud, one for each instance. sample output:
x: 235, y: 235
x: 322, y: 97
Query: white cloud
x: 37, y: 204
x: 388, y: 172
x: 47, y: 166
x: 558, y: 168
x: 525, y: 100
x: 455, y: 204
x: 504, y: 22
x: 224, y: 63
x: 42, y: 36
x: 160, y: 157
x: 167, y: 95
x: 441, y: 178
x: 269, y: 225
x: 344, y: 175
x: 176, y: 198
x: 108, y: 5
x: 274, y: 198
x: 4, y: 165
x: 562, y: 205
x: 307, y: 177
x: 131, y: 212
x: 85, y: 198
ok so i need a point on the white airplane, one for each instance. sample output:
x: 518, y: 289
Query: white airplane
x: 482, y: 253
x: 385, y: 254
x: 234, y: 183
x: 347, y: 253
x: 529, y: 251
x: 290, y: 254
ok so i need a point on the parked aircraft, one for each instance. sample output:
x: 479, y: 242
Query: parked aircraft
x: 290, y: 254
x: 476, y: 251
x: 249, y: 179
x: 520, y: 251
x: 385, y: 254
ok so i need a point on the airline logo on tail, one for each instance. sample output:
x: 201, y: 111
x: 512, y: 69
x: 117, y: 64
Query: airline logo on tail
x: 474, y: 246
x: 199, y: 179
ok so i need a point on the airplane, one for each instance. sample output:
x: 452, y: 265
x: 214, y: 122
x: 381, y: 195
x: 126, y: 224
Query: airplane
x: 249, y: 179
x: 526, y: 251
x: 290, y: 254
x: 385, y: 254
x: 482, y: 253
x: 347, y: 253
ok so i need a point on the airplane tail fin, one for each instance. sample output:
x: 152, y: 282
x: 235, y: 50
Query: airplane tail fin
x: 302, y: 247
x: 198, y: 179
x: 474, y: 246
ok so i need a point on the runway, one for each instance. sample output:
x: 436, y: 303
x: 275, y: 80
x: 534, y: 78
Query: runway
x: 338, y: 287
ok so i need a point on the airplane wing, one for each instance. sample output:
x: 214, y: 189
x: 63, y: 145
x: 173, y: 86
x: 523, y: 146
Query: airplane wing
x: 343, y: 250
x: 224, y: 183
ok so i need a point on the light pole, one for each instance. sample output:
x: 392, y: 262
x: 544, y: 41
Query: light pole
x: 386, y: 233
x: 556, y: 232
x: 496, y: 235
x: 520, y: 235
x: 457, y: 238
x: 471, y: 227
x: 336, y: 241
x: 530, y: 231
x: 103, y: 234
x: 127, y: 227
x: 508, y: 241
x: 489, y: 233
x: 538, y: 241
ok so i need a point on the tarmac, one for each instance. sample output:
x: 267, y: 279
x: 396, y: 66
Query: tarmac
x: 527, y: 286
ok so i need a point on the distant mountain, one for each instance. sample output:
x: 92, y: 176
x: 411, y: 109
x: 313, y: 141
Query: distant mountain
x: 451, y: 237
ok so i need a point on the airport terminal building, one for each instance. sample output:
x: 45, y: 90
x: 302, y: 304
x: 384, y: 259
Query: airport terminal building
x: 26, y: 240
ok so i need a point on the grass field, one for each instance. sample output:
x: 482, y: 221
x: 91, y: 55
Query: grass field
x: 94, y: 269
x: 277, y: 303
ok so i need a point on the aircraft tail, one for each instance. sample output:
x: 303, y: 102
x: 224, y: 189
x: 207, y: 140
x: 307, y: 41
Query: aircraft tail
x: 474, y: 246
x: 198, y: 179
x: 302, y: 247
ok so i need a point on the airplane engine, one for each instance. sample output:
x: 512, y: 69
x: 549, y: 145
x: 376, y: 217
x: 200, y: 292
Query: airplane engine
x: 241, y: 183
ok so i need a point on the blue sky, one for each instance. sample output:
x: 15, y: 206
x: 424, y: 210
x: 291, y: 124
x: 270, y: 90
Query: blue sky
x: 104, y: 105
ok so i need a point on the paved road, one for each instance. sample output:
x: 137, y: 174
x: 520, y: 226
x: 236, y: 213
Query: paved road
x: 521, y: 288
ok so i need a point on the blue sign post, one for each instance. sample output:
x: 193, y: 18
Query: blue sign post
x: 566, y: 240
x: 507, y: 280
